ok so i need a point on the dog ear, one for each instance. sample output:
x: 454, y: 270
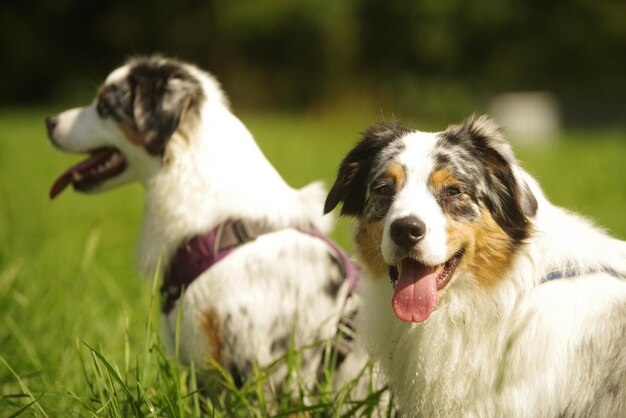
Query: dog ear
x: 163, y: 93
x: 507, y: 196
x: 350, y: 186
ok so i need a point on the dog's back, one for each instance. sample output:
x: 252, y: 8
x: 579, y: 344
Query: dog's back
x: 248, y: 251
x: 285, y: 287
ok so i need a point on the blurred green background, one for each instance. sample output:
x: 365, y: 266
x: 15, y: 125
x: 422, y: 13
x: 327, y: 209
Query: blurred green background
x: 306, y: 77
x: 428, y: 59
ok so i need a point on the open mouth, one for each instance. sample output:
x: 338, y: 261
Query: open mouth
x: 416, y: 285
x: 444, y: 271
x: 102, y: 164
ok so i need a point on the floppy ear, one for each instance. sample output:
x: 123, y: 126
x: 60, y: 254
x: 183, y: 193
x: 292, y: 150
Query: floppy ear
x: 506, y: 195
x: 347, y: 189
x: 350, y: 186
x: 162, y: 95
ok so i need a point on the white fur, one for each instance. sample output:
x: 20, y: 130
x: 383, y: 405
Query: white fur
x: 520, y: 349
x: 415, y: 199
x: 213, y: 174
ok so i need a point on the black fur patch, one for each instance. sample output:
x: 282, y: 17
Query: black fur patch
x: 351, y: 184
x: 152, y: 99
x: 116, y: 101
x: 376, y: 207
x: 461, y: 208
x: 335, y: 278
x: 239, y: 374
x: 280, y: 344
x: 162, y: 91
x: 477, y: 154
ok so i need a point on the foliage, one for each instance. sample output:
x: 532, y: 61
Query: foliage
x: 294, y: 54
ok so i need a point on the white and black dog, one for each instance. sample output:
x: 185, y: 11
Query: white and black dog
x: 500, y: 303
x: 247, y: 249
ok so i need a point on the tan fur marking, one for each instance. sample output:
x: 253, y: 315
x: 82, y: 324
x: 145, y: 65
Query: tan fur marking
x: 440, y: 178
x: 210, y: 324
x: 131, y: 134
x: 129, y: 131
x: 367, y: 240
x: 396, y: 172
x: 488, y: 249
x: 102, y: 90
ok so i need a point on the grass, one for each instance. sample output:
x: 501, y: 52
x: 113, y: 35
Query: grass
x: 77, y: 323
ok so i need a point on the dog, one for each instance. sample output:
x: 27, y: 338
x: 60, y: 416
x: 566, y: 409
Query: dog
x: 501, y: 304
x: 246, y: 261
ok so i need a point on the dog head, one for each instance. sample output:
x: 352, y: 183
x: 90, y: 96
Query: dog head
x: 126, y: 129
x: 431, y: 206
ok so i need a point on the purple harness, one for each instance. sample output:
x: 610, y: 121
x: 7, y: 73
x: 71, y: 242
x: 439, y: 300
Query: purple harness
x: 201, y: 252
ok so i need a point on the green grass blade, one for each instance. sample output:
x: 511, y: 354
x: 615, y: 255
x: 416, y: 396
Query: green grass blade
x: 149, y: 326
x: 194, y: 393
x: 26, y: 407
x: 24, y: 387
x: 112, y: 373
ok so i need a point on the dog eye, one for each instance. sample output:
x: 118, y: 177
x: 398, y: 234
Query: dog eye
x: 103, y: 108
x: 452, y: 191
x: 385, y: 187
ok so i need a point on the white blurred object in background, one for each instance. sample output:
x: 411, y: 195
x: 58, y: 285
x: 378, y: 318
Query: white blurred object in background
x: 527, y: 117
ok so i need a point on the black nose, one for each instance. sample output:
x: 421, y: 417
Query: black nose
x: 407, y: 231
x: 51, y: 123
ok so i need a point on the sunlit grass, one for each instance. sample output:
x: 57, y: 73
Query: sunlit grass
x: 77, y: 323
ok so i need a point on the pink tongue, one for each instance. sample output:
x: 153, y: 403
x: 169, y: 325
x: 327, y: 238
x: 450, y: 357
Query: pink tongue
x: 415, y: 295
x: 60, y: 184
x: 96, y: 157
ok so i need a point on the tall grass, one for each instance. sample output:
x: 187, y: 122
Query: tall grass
x: 157, y: 385
x: 78, y: 325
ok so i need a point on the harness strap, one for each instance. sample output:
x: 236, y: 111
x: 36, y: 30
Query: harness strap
x: 201, y: 252
x: 350, y: 270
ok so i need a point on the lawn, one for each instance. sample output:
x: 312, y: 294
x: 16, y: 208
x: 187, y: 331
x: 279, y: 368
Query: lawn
x: 76, y: 320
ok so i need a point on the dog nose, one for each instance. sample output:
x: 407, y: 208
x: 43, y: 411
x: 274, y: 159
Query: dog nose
x: 51, y: 123
x: 407, y: 231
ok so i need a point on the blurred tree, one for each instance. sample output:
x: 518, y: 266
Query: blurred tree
x: 295, y: 54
